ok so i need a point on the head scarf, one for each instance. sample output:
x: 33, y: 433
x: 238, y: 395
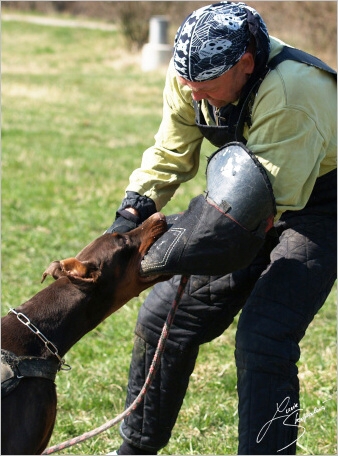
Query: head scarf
x: 212, y: 39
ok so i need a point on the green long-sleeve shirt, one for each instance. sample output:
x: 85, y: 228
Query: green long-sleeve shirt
x: 293, y: 134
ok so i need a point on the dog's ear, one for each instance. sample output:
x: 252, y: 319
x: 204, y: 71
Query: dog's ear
x: 54, y: 269
x: 72, y: 267
x: 84, y: 270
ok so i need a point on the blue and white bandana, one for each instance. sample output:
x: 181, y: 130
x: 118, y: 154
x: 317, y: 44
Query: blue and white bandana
x: 212, y: 39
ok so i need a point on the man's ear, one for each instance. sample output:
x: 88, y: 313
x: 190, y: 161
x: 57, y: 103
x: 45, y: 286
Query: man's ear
x: 248, y: 62
x: 72, y: 267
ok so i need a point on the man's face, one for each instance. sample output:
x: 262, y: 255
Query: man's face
x: 226, y: 88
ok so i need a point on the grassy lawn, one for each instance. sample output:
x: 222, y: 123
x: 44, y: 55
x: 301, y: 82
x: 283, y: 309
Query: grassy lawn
x: 77, y: 113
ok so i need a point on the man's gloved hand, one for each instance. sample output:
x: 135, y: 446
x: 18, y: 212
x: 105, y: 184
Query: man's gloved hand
x: 134, y: 210
x: 126, y: 221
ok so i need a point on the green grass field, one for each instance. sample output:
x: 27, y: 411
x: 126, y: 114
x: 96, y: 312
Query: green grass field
x: 77, y: 113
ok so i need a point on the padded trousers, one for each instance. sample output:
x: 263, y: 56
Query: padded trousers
x: 279, y: 295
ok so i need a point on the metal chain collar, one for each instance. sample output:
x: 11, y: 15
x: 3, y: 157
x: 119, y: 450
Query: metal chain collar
x: 48, y: 344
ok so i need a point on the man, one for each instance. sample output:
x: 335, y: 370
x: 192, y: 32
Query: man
x: 226, y: 83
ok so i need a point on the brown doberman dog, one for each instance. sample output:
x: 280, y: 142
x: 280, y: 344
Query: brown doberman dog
x: 89, y: 288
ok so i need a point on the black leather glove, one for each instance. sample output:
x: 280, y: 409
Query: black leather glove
x: 125, y: 221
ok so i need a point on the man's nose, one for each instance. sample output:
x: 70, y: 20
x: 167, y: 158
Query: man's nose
x: 197, y: 96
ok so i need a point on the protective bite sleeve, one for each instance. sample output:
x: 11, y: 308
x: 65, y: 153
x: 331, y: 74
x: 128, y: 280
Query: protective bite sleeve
x: 221, y: 231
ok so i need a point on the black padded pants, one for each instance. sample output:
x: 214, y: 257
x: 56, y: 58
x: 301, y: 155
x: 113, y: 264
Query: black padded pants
x: 280, y: 293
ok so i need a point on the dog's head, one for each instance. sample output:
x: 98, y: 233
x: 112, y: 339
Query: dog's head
x: 114, y: 259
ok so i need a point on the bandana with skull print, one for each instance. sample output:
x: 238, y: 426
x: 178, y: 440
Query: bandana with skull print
x: 212, y: 39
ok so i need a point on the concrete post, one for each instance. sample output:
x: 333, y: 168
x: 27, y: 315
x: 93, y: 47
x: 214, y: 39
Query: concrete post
x: 157, y: 52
